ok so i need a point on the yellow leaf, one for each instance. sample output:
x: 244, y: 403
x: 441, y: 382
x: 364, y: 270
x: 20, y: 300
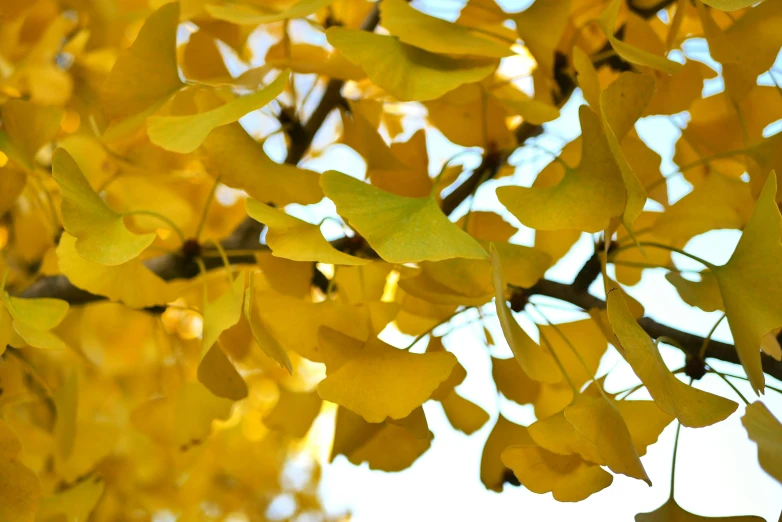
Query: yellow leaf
x: 473, y: 116
x: 505, y: 433
x: 379, y: 381
x: 26, y: 128
x: 730, y: 5
x: 568, y: 477
x: 184, y: 134
x: 598, y: 421
x: 291, y: 238
x: 751, y: 282
x: 463, y: 415
x: 766, y: 431
x: 436, y: 35
x: 389, y: 446
x: 32, y: 319
x: 101, y: 234
x: 645, y: 420
x: 469, y: 281
x: 536, y: 362
x: 406, y: 72
x: 19, y: 484
x: 487, y: 226
x: 240, y: 162
x: 629, y: 52
x: 720, y: 202
x: 132, y: 282
x: 542, y: 26
x: 145, y: 75
x: 705, y: 294
x: 218, y: 374
x: 66, y: 402
x: 265, y: 340
x: 74, y: 504
x: 183, y: 418
x: 307, y: 58
x: 587, y: 197
x: 294, y: 412
x: 201, y: 59
x: 694, y: 408
x: 671, y: 512
x: 747, y: 48
x: 249, y: 15
x: 398, y: 228
x: 222, y: 313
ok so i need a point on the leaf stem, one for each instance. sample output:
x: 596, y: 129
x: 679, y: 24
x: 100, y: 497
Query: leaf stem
x: 724, y: 378
x: 205, y: 210
x: 707, y: 339
x: 678, y: 251
x: 675, y: 452
x: 161, y: 217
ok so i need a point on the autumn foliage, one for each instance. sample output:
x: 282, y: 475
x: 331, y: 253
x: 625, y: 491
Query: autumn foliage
x: 175, y: 327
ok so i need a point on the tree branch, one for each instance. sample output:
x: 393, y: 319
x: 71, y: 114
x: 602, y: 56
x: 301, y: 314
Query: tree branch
x: 690, y: 343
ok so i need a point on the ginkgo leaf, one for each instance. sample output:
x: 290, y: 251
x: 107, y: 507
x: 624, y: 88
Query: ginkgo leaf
x: 632, y: 54
x: 766, y: 431
x: 20, y: 486
x: 730, y: 5
x: 240, y: 162
x: 291, y: 238
x: 406, y: 72
x: 101, y: 234
x: 131, y: 282
x: 463, y: 415
x: 598, y: 421
x: 541, y: 26
x: 66, y: 402
x: 265, y: 340
x: 32, y: 319
x: 568, y: 477
x: 379, y: 381
x: 505, y: 433
x: 586, y: 198
x: 621, y: 104
x: 184, y: 134
x: 694, y: 408
x: 536, y: 362
x: 751, y: 282
x: 434, y: 34
x: 74, y: 504
x: 183, y: 418
x: 216, y: 372
x: 705, y: 294
x: 244, y: 14
x: 222, y: 313
x: 672, y: 512
x: 294, y: 412
x: 26, y: 128
x: 469, y: 281
x: 145, y: 75
x: 389, y: 446
x: 745, y: 49
x: 719, y: 202
x: 398, y: 228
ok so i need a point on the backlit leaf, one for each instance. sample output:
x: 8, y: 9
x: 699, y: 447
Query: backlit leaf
x: 398, y: 228
x: 101, y: 234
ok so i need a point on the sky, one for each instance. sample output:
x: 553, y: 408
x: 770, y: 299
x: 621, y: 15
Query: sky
x: 717, y: 469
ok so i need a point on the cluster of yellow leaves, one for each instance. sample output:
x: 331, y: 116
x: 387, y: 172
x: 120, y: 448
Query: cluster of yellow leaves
x: 122, y: 153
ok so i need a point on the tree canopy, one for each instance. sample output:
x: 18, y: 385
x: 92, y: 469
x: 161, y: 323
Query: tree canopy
x: 196, y: 292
